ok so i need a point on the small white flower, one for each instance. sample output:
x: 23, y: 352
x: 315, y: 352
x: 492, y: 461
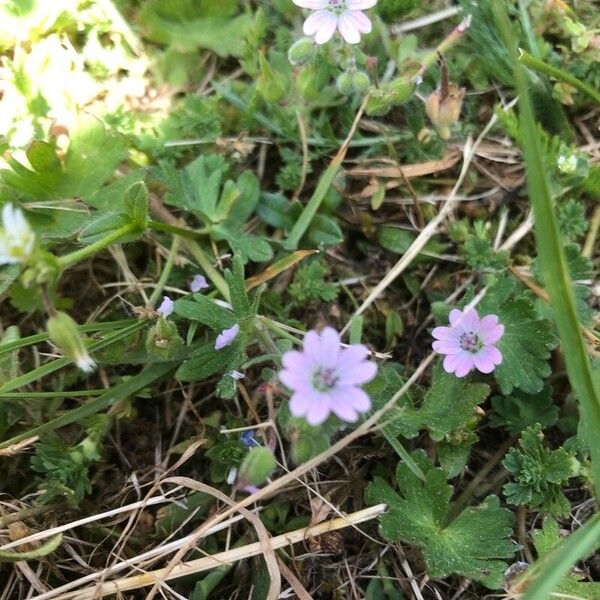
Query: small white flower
x: 567, y: 164
x: 231, y: 476
x: 344, y: 15
x: 85, y: 363
x: 236, y: 375
x: 17, y: 239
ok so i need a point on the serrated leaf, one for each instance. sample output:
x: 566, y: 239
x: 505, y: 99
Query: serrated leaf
x: 237, y: 289
x: 527, y: 339
x: 474, y: 545
x: 519, y: 410
x: 539, y: 473
x: 92, y: 158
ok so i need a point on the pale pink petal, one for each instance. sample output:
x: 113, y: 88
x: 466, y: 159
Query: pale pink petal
x: 352, y: 355
x: 451, y: 362
x: 455, y: 316
x: 445, y: 333
x: 318, y: 410
x: 295, y: 380
x: 311, y: 4
x: 312, y: 346
x: 357, y: 398
x: 297, y: 361
x: 360, y: 4
x: 343, y: 410
x: 488, y: 322
x: 464, y: 365
x: 491, y: 336
x: 300, y: 403
x: 348, y: 28
x: 360, y: 20
x: 321, y: 24
x: 487, y: 359
x: 447, y: 346
x: 358, y: 374
x: 330, y: 347
x: 469, y: 321
x: 326, y: 32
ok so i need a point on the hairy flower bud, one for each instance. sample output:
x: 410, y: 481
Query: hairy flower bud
x: 360, y: 82
x: 163, y: 339
x: 64, y: 334
x: 302, y: 52
x: 344, y: 83
x: 257, y: 466
x: 443, y: 108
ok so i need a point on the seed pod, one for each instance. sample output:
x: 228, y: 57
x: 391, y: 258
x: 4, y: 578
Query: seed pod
x: 302, y: 52
x: 64, y: 334
x: 257, y: 466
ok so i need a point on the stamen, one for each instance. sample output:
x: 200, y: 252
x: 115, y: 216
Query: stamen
x: 470, y: 342
x: 324, y: 379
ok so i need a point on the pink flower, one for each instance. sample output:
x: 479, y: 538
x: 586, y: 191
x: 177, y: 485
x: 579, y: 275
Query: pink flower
x: 198, y: 283
x: 325, y: 378
x: 226, y: 337
x: 344, y: 15
x: 166, y: 308
x: 469, y: 342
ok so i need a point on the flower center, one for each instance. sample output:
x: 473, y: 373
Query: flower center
x: 324, y: 379
x: 337, y: 5
x: 470, y: 342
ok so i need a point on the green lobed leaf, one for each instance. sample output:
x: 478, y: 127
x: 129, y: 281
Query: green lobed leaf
x: 527, y: 339
x: 205, y: 311
x: 474, y: 545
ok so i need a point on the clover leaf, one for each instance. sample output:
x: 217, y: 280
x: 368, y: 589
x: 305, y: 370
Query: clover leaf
x: 475, y: 544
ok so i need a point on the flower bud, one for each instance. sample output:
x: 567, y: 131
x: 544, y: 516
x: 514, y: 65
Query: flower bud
x: 163, y: 339
x: 257, y: 466
x: 444, y: 109
x: 360, y: 82
x: 302, y: 52
x: 64, y: 334
x: 344, y: 83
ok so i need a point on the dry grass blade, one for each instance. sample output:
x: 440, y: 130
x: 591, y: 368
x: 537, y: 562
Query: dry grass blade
x: 234, y: 555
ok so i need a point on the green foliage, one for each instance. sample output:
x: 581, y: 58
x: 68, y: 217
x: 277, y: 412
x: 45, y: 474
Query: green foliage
x: 527, y: 339
x: 474, y: 545
x: 224, y: 456
x: 190, y: 24
x: 571, y: 220
x: 392, y: 10
x: 538, y: 474
x: 309, y: 284
x: 519, y: 410
x: 223, y: 206
x: 479, y: 253
x: 545, y: 540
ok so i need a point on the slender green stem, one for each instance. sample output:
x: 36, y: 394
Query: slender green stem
x: 30, y: 340
x: 69, y: 394
x: 166, y: 272
x: 212, y: 273
x: 539, y: 65
x: 78, y: 255
x: 166, y: 227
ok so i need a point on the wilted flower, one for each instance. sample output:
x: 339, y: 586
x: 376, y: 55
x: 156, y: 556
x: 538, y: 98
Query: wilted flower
x: 469, y: 342
x: 344, y: 15
x: 17, y: 239
x: 226, y: 337
x: 63, y: 332
x: 166, y: 308
x: 443, y: 108
x: 325, y: 378
x: 198, y: 283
